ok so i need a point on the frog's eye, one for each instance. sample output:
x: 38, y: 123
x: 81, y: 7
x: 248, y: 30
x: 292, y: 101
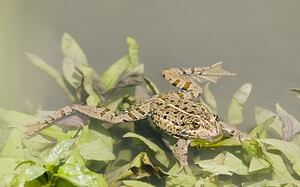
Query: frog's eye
x: 196, y: 123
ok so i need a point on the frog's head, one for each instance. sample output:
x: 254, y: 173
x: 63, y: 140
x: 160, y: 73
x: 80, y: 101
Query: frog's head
x: 204, y: 127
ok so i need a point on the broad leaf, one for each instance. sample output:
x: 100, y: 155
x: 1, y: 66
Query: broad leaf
x: 258, y: 165
x: 133, y: 50
x: 291, y: 127
x: 136, y: 183
x: 80, y: 176
x: 297, y: 91
x: 260, y: 129
x: 72, y: 50
x: 53, y: 157
x: 38, y: 62
x: 209, y: 99
x: 13, y: 146
x: 160, y: 154
x: 236, y: 106
x: 96, y: 150
x: 290, y: 149
x: 93, y: 98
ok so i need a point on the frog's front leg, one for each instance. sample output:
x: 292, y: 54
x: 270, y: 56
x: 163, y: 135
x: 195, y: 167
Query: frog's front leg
x: 233, y: 132
x: 180, y: 152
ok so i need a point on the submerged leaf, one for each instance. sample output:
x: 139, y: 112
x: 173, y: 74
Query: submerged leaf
x: 38, y: 62
x: 236, y: 106
x: 209, y: 99
x: 93, y: 98
x: 72, y: 50
x: 291, y: 127
x: 160, y: 154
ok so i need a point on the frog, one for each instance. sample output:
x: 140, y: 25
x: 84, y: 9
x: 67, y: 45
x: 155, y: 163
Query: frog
x: 177, y: 113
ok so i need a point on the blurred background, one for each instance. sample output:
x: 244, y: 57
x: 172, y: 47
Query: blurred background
x: 259, y: 40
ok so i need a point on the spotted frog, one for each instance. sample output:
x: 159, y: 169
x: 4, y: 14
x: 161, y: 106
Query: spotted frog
x: 174, y: 112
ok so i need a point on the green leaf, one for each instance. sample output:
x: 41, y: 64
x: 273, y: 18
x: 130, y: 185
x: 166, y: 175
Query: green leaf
x: 72, y: 50
x: 13, y: 146
x: 96, y: 150
x: 258, y: 165
x: 261, y: 128
x: 93, y: 99
x: 133, y: 50
x: 225, y: 142
x: 38, y: 62
x: 34, y: 172
x: 71, y: 73
x: 209, y: 99
x: 151, y: 87
x: 140, y: 166
x: 236, y: 106
x: 134, y: 183
x: 291, y: 127
x: 8, y: 165
x: 113, y: 73
x: 181, y: 179
x: 297, y: 91
x: 274, y: 130
x: 160, y: 154
x: 53, y: 157
x: 236, y: 163
x: 56, y: 134
x: 290, y: 149
x: 80, y: 176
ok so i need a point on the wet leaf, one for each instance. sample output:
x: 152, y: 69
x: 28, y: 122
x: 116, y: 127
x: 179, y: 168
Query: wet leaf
x: 38, y: 62
x: 236, y: 163
x: 53, y: 157
x: 80, y: 176
x: 290, y: 149
x: 134, y: 183
x: 93, y: 98
x: 225, y: 142
x: 209, y: 99
x: 291, y: 127
x: 33, y: 172
x: 266, y: 182
x: 160, y: 154
x: 236, y: 106
x: 72, y: 50
x: 8, y: 165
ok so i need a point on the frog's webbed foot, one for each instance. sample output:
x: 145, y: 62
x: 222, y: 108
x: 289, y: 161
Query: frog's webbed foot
x: 180, y: 152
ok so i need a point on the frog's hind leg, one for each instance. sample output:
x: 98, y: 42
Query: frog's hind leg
x: 181, y: 77
x: 180, y: 152
x: 134, y: 113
